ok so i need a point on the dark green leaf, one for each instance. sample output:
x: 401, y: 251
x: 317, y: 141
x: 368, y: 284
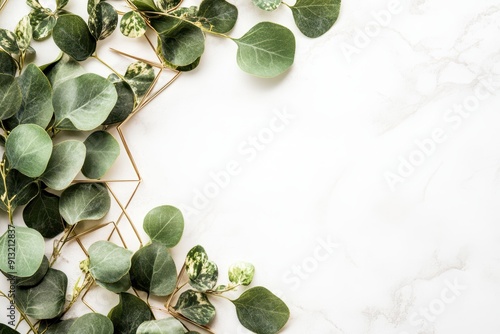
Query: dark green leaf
x: 91, y: 323
x: 73, y: 37
x: 28, y: 252
x: 164, y: 326
x: 268, y: 5
x: 124, y: 105
x: 129, y: 314
x: 7, y: 64
x: 91, y: 4
x: 108, y: 262
x: 21, y: 189
x: 147, y: 5
x: 36, y: 277
x: 103, y: 20
x: 4, y: 329
x: 260, y: 311
x: 46, y: 299
x: 140, y: 76
x: 196, y: 307
x: 24, y: 33
x: 28, y: 149
x: 8, y: 41
x: 102, y: 151
x: 153, y: 270
x: 267, y: 50
x: 84, y: 201
x: 121, y: 286
x: 218, y: 15
x: 11, y: 97
x: 42, y: 214
x: 165, y: 225
x: 61, y: 3
x: 36, y: 107
x: 182, y: 42
x: 65, y: 162
x: 60, y: 327
x: 315, y: 17
x: 133, y: 25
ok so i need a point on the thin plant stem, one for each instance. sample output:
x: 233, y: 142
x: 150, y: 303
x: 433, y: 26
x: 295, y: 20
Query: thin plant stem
x: 96, y: 57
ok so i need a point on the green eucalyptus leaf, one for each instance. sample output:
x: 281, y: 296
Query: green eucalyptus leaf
x: 268, y: 5
x: 241, y: 273
x: 8, y: 41
x: 219, y: 15
x: 73, y: 37
x: 129, y: 314
x: 42, y: 23
x: 195, y: 306
x: 164, y: 224
x: 4, y: 329
x: 63, y: 69
x: 124, y: 105
x: 203, y: 274
x: 168, y: 325
x: 42, y: 214
x: 36, y: 107
x: 21, y: 251
x: 103, y: 20
x: 91, y: 323
x: 61, y: 3
x: 133, y: 25
x: 108, y: 262
x: 140, y: 76
x: 11, y: 97
x: 102, y: 151
x: 36, y: 278
x: 260, y: 311
x: 28, y: 149
x: 60, y: 327
x: 46, y: 299
x: 122, y: 285
x: 147, y: 5
x: 7, y: 65
x: 64, y: 164
x: 182, y: 42
x: 153, y: 270
x: 83, y: 102
x: 267, y: 50
x: 20, y: 190
x: 24, y: 33
x: 315, y: 17
x: 84, y: 201
x: 185, y: 68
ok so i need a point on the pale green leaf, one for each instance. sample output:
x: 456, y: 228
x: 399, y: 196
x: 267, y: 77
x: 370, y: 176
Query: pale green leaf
x: 102, y: 151
x: 63, y: 69
x: 103, y: 20
x: 129, y: 314
x: 24, y: 33
x: 91, y: 323
x: 108, y: 262
x: 168, y: 325
x: 84, y: 201
x: 29, y: 251
x: 11, y: 97
x: 64, y: 164
x: 218, y: 15
x: 83, y: 102
x: 73, y: 37
x: 195, y: 306
x: 268, y: 5
x: 27, y: 282
x: 241, y: 273
x: 315, y: 17
x: 165, y: 225
x: 267, y: 50
x: 42, y: 214
x: 28, y: 149
x: 260, y: 311
x: 133, y: 25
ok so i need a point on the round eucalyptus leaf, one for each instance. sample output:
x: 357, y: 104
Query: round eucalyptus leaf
x: 103, y: 20
x: 36, y: 277
x: 91, y: 323
x: 168, y: 325
x: 195, y: 306
x: 120, y: 286
x: 61, y: 3
x: 73, y: 37
x: 129, y: 314
x: 124, y: 105
x: 181, y: 42
x: 266, y: 50
x: 11, y: 97
x: 260, y: 311
x: 42, y: 214
x: 267, y: 5
x: 133, y: 25
x: 153, y: 270
x: 140, y: 76
x: 60, y: 327
x: 102, y: 151
x: 24, y: 33
x: 8, y: 41
x: 108, y: 262
x: 63, y: 69
x: 36, y: 107
x: 46, y: 299
x: 241, y: 273
x: 65, y: 162
x: 83, y: 102
x: 42, y: 23
x: 28, y: 149
x: 7, y: 65
x: 164, y: 224
x: 315, y: 17
x: 20, y: 190
x: 21, y: 251
x: 84, y: 201
x: 219, y: 15
x: 4, y: 329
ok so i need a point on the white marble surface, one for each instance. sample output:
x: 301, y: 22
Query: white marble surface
x: 370, y: 199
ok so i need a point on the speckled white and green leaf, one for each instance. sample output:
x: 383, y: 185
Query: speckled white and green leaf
x: 91, y: 323
x: 103, y: 20
x: 133, y: 25
x: 30, y: 248
x: 91, y: 5
x: 241, y: 273
x: 195, y: 306
x: 34, y: 4
x: 268, y: 5
x: 11, y: 97
x: 168, y: 325
x: 140, y: 76
x: 109, y: 262
x: 24, y: 33
x: 84, y: 201
x: 8, y: 41
x: 195, y: 259
x: 42, y: 24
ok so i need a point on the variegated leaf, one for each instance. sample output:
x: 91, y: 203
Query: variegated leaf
x: 241, y: 273
x: 165, y: 5
x: 195, y: 259
x: 195, y: 306
x: 103, y: 20
x: 91, y: 5
x: 268, y: 5
x: 34, y: 4
x: 203, y: 274
x: 42, y: 24
x: 140, y: 76
x: 24, y: 33
x: 8, y: 41
x: 133, y: 25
